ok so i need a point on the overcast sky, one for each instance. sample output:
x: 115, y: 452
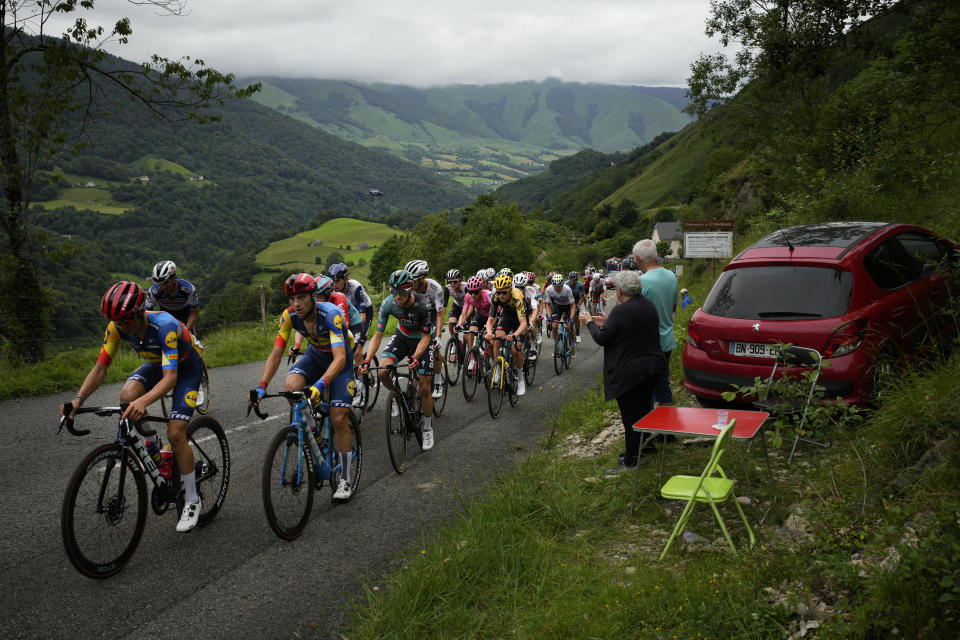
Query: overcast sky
x: 428, y: 42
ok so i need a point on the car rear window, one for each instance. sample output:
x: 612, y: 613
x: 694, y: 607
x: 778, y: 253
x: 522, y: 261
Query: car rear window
x: 780, y: 292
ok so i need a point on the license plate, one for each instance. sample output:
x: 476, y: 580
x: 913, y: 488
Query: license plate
x: 753, y: 349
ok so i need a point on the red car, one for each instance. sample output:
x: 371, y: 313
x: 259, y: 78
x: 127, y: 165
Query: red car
x: 869, y: 296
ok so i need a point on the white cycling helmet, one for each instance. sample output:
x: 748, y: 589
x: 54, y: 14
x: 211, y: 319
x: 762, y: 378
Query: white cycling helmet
x: 417, y: 268
x: 520, y: 280
x: 164, y: 270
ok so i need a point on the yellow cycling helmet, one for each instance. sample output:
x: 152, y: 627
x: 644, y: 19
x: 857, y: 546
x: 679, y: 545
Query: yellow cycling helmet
x: 503, y: 282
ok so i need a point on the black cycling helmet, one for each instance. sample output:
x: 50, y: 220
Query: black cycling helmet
x: 573, y: 275
x: 338, y: 270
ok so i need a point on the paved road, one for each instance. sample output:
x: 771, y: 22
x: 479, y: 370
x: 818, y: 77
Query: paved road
x: 235, y: 578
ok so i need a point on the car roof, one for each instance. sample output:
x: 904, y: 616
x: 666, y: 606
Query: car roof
x: 823, y: 241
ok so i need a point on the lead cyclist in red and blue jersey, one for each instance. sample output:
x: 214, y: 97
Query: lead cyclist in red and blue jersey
x: 173, y: 362
x: 328, y: 362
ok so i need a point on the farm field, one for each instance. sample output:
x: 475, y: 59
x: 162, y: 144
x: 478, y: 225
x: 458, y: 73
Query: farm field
x: 341, y: 235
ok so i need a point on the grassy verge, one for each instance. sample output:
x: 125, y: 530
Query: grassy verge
x: 864, y: 542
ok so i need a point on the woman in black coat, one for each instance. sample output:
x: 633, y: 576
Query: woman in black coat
x: 632, y: 357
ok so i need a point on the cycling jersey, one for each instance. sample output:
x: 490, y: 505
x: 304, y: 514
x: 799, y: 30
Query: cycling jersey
x: 577, y: 289
x: 358, y: 296
x: 434, y: 297
x: 596, y: 286
x: 412, y: 321
x: 562, y: 296
x: 449, y: 292
x: 179, y: 305
x: 513, y: 306
x: 166, y: 343
x: 329, y: 328
x: 532, y: 295
x: 481, y: 308
x: 349, y: 311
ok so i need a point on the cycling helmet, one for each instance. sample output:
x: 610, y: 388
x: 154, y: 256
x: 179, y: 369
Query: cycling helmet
x: 454, y: 274
x: 482, y: 274
x: 401, y: 279
x: 520, y: 280
x: 338, y: 270
x: 557, y: 279
x: 324, y: 285
x: 531, y: 277
x: 505, y: 270
x: 122, y: 300
x: 573, y: 275
x: 503, y: 282
x: 417, y: 268
x: 299, y: 283
x: 474, y: 284
x: 163, y: 271
x: 489, y: 273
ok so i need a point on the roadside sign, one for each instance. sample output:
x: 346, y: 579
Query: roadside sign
x: 708, y: 244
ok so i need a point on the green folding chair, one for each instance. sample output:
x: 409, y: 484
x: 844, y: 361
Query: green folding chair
x: 705, y: 488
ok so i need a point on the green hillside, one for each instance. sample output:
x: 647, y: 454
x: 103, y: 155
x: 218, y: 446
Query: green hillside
x: 494, y: 133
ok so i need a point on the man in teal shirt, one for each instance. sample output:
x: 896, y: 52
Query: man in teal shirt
x: 659, y: 287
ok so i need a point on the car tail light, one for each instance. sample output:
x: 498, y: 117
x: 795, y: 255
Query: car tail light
x: 693, y: 336
x: 846, y: 338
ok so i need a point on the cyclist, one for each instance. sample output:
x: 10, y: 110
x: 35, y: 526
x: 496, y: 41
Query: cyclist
x: 433, y: 292
x: 531, y: 305
x: 535, y: 295
x: 173, y: 362
x: 597, y: 293
x: 476, y: 308
x: 328, y: 362
x: 174, y: 295
x: 578, y: 295
x: 558, y: 300
x: 412, y: 340
x: 454, y: 289
x: 510, y: 315
x: 358, y: 297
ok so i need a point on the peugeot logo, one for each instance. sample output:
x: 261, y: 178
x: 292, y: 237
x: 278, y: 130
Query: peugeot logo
x: 756, y: 327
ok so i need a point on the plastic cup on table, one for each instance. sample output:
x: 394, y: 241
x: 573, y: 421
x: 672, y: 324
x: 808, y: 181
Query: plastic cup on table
x: 722, y: 417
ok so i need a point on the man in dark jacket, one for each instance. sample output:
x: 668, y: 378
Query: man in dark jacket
x: 632, y: 358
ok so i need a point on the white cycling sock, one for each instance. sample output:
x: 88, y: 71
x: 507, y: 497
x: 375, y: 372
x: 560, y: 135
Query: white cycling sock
x: 190, y: 488
x: 345, y: 466
x: 436, y: 378
x: 427, y: 423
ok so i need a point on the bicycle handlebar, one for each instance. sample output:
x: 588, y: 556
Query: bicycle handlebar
x: 253, y: 400
x: 67, y: 421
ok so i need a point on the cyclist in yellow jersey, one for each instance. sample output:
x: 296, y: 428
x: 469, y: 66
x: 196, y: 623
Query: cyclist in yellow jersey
x: 509, y: 313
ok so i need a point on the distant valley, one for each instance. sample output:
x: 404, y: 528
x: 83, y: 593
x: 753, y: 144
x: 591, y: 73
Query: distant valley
x: 481, y: 135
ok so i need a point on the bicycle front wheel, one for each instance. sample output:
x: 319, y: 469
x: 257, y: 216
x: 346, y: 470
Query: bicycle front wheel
x: 530, y: 365
x: 203, y: 392
x: 495, y: 388
x: 396, y: 433
x: 441, y: 402
x: 454, y: 358
x: 104, y: 511
x: 558, y: 348
x: 471, y: 374
x: 211, y: 459
x: 513, y: 375
x: 288, y: 484
x: 570, y: 350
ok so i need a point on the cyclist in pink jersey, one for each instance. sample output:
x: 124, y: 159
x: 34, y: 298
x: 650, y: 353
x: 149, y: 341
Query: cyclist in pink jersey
x: 476, y: 308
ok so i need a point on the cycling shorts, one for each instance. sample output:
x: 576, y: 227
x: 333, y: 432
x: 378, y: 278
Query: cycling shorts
x: 561, y: 312
x: 477, y: 319
x: 455, y: 312
x: 189, y: 374
x: 508, y: 323
x: 401, y: 347
x: 313, y: 364
x: 359, y: 337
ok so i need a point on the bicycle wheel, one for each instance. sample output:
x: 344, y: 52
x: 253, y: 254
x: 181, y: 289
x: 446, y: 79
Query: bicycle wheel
x: 512, y: 381
x: 454, y: 360
x: 558, y: 348
x: 471, y: 374
x: 441, y: 402
x: 371, y: 383
x: 356, y: 459
x: 570, y: 349
x: 211, y: 455
x: 104, y: 511
x: 396, y: 433
x: 530, y: 366
x: 495, y: 387
x: 288, y: 484
x: 203, y: 392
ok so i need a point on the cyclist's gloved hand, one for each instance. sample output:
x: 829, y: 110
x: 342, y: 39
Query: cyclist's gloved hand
x: 316, y: 391
x: 261, y: 390
x: 458, y: 328
x: 414, y: 362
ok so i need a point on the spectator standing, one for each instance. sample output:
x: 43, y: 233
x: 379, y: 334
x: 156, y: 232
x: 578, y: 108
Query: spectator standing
x: 685, y: 298
x: 660, y: 288
x: 633, y: 361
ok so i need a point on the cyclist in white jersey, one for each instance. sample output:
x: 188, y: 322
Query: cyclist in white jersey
x: 558, y: 301
x: 433, y: 292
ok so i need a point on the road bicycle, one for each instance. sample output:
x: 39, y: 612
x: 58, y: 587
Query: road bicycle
x: 503, y: 378
x: 476, y: 366
x: 203, y: 395
x: 300, y: 458
x: 531, y: 356
x: 441, y: 402
x: 404, y: 414
x: 564, y: 347
x: 104, y: 508
x: 595, y: 307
